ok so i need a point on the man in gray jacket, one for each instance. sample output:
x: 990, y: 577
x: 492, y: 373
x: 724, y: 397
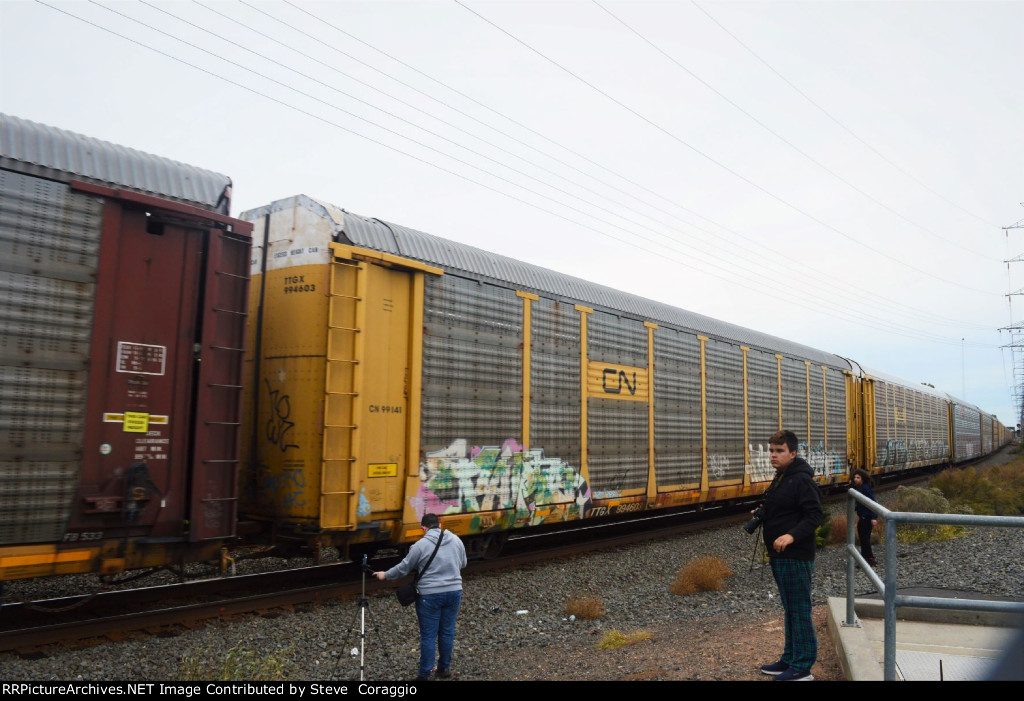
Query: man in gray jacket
x: 440, y: 592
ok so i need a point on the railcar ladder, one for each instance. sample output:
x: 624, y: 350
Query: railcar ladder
x: 339, y: 480
x: 217, y: 440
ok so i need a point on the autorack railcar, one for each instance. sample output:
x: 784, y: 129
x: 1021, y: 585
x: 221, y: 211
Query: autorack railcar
x: 121, y: 329
x: 396, y: 373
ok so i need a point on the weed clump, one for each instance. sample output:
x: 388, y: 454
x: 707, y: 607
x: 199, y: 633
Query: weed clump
x: 614, y: 639
x: 585, y: 607
x: 707, y: 573
x: 236, y: 665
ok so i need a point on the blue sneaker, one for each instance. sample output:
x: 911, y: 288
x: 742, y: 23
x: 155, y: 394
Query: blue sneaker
x: 774, y: 668
x: 795, y: 675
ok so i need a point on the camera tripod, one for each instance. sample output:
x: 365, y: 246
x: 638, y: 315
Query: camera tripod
x: 363, y: 614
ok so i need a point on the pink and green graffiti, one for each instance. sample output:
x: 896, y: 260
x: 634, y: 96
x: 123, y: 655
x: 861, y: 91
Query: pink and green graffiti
x: 463, y: 479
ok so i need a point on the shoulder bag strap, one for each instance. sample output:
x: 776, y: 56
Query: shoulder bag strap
x: 420, y: 572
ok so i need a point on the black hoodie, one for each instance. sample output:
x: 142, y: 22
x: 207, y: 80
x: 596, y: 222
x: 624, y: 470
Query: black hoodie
x: 792, y: 505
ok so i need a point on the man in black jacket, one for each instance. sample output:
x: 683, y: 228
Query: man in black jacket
x: 792, y: 513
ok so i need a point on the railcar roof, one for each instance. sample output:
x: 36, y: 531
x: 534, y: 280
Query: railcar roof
x: 893, y: 379
x: 473, y: 262
x: 48, y: 152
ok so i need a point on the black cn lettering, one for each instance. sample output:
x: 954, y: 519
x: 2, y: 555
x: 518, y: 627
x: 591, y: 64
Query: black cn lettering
x: 604, y: 382
x: 623, y: 377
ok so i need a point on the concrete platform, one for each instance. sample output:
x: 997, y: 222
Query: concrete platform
x: 931, y: 644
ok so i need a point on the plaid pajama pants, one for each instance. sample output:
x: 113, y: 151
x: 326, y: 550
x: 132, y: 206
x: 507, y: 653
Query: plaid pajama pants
x: 794, y: 580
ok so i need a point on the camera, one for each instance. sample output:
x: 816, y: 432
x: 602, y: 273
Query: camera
x: 755, y: 522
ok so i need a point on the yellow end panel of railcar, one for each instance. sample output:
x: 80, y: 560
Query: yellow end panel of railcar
x: 372, y: 389
x: 854, y: 423
x: 367, y: 394
x: 284, y: 480
x: 867, y: 399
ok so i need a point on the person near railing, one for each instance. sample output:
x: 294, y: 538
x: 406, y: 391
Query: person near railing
x: 792, y: 513
x: 866, y: 518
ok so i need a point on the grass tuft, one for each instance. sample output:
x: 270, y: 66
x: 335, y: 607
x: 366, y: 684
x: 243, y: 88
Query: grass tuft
x: 614, y: 639
x: 706, y: 573
x: 237, y: 664
x: 585, y: 607
x: 929, y: 534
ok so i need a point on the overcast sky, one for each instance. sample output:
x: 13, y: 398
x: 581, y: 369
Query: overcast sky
x: 836, y: 173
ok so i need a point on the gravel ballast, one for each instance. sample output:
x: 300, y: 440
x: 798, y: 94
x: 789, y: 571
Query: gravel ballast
x: 512, y: 624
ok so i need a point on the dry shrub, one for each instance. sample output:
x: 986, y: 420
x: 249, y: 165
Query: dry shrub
x: 585, y: 607
x: 929, y: 501
x: 996, y: 490
x: 614, y: 639
x: 703, y: 574
x: 838, y: 533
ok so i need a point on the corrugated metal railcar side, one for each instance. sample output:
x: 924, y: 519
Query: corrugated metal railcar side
x: 907, y: 425
x: 987, y: 426
x: 966, y: 432
x: 120, y: 334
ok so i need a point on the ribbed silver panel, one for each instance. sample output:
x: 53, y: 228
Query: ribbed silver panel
x: 472, y: 364
x: 986, y: 434
x: 677, y: 421
x: 56, y: 154
x: 836, y: 401
x: 816, y: 393
x: 555, y: 380
x: 49, y: 241
x: 617, y: 431
x: 724, y: 367
x: 393, y: 238
x: 932, y: 437
x: 890, y: 424
x: 616, y: 445
x: 763, y: 410
x: 927, y: 427
x: 619, y: 340
x: 794, y: 397
x: 966, y: 431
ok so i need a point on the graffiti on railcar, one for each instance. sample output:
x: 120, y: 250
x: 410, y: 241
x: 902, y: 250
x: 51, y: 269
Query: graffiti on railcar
x: 760, y: 468
x: 718, y: 465
x: 279, y: 426
x: 464, y: 479
x: 924, y: 449
x: 282, y: 490
x: 894, y: 453
x: 825, y: 463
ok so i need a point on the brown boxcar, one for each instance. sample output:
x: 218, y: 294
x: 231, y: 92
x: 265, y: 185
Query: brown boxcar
x: 121, y: 328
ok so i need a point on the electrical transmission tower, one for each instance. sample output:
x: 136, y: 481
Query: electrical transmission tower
x: 1016, y: 330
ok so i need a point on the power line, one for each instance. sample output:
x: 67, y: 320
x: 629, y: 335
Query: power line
x: 841, y: 125
x: 783, y: 139
x: 859, y: 292
x: 771, y: 291
x: 721, y: 165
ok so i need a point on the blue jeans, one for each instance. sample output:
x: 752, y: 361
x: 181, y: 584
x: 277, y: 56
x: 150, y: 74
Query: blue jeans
x: 437, y: 613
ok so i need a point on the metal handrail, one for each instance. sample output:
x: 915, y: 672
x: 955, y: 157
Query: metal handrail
x: 888, y: 588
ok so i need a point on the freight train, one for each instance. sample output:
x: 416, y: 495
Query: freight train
x: 176, y: 381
